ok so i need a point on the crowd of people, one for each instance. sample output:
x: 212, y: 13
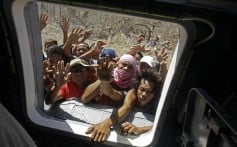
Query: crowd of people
x: 96, y: 74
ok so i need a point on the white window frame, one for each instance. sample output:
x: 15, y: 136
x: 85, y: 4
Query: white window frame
x: 25, y: 17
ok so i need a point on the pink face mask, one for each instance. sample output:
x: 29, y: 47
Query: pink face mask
x: 122, y: 78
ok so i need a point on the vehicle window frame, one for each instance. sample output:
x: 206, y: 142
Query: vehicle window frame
x: 25, y: 16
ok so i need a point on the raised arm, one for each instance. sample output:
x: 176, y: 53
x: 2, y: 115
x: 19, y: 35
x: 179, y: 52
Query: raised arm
x: 75, y: 34
x: 104, y: 73
x: 61, y: 74
x: 136, y: 48
x: 85, y: 35
x: 65, y: 24
x: 103, y: 84
x: 43, y: 21
x: 161, y: 57
x: 94, y: 52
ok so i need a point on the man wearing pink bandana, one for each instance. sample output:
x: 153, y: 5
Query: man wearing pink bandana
x: 113, y: 82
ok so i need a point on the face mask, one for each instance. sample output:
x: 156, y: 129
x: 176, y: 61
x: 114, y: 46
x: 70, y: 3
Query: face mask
x: 122, y: 78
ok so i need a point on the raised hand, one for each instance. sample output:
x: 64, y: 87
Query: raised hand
x: 141, y: 38
x: 161, y: 55
x: 48, y: 76
x: 43, y: 21
x: 167, y: 44
x: 98, y: 48
x: 85, y: 35
x: 55, y: 76
x: 64, y: 23
x: 104, y: 69
x: 75, y: 35
x: 136, y: 48
x: 61, y: 74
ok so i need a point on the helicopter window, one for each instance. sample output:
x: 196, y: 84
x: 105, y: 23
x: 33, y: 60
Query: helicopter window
x: 119, y: 31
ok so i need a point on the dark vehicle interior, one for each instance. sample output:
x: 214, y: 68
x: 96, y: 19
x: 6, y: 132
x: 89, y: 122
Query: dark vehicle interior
x: 200, y: 103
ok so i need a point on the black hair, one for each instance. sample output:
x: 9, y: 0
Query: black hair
x: 50, y: 42
x: 55, y: 49
x: 151, y: 76
x: 140, y: 54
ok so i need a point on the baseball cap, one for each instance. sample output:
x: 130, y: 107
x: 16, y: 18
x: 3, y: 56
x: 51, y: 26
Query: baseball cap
x: 150, y: 61
x: 79, y: 61
x: 109, y: 51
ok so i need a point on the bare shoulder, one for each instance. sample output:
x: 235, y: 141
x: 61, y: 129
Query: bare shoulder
x: 130, y: 98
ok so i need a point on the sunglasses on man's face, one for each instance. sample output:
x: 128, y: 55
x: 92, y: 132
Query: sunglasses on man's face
x: 78, y: 69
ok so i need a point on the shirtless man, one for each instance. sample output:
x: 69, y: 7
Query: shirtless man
x: 144, y: 96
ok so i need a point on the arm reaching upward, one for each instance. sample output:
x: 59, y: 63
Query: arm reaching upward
x: 65, y: 24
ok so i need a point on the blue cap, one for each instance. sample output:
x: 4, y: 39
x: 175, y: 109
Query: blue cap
x: 108, y: 51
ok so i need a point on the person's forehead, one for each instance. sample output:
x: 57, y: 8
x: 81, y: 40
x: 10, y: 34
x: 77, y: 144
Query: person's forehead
x: 146, y: 83
x: 81, y: 46
x: 126, y: 62
x: 144, y: 64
